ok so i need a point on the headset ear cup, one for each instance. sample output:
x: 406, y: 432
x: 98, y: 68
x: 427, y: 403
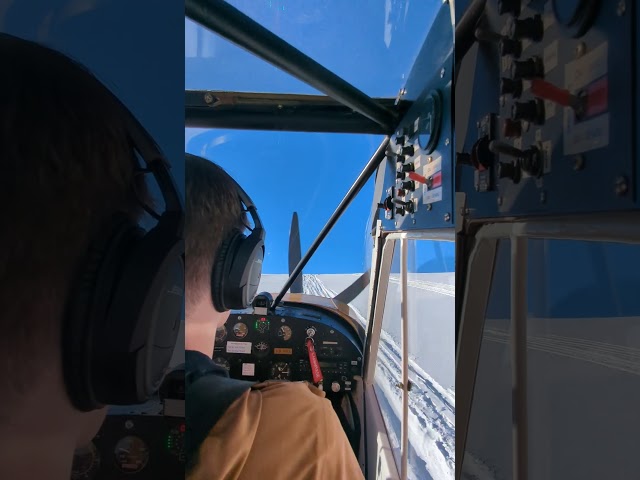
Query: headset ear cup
x: 245, y: 273
x: 136, y: 341
x: 87, y: 307
x: 221, y: 270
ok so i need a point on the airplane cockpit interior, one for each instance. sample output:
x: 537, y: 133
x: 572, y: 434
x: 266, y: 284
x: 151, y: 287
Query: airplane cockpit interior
x: 450, y: 191
x: 343, y: 139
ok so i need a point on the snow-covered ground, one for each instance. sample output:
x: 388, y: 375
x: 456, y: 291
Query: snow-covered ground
x: 583, y: 380
x: 431, y: 348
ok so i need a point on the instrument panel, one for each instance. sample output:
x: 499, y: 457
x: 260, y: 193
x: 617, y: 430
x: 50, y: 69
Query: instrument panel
x: 273, y: 346
x: 418, y: 176
x: 547, y: 124
x: 140, y: 442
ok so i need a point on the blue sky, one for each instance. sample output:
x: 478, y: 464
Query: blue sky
x: 370, y: 43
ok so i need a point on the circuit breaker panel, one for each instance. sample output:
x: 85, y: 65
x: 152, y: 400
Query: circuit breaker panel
x: 418, y: 182
x: 549, y: 123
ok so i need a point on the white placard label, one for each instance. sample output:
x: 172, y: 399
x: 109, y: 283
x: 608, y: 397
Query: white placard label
x: 248, y: 369
x: 238, y: 347
x: 433, y: 167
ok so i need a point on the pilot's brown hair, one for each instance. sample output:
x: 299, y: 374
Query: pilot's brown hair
x: 66, y: 168
x: 213, y: 212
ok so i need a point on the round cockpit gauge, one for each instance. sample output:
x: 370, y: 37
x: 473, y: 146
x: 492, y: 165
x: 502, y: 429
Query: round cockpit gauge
x: 429, y: 122
x: 221, y: 334
x: 261, y: 349
x: 285, y: 332
x: 576, y: 16
x: 222, y: 362
x: 240, y: 330
x: 132, y: 454
x: 262, y: 325
x: 280, y: 371
x: 86, y: 462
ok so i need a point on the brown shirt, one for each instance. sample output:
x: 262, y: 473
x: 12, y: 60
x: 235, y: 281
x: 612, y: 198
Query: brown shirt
x: 278, y: 430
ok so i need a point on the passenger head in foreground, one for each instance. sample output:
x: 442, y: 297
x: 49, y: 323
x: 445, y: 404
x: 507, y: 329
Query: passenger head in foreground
x: 66, y: 169
x: 279, y: 430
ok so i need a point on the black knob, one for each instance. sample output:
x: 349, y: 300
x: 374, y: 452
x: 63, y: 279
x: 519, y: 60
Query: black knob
x: 408, y: 150
x: 409, y: 185
x: 400, y: 175
x: 531, y: 68
x: 409, y: 167
x: 509, y: 6
x: 481, y: 154
x: 509, y: 86
x: 410, y: 207
x: 511, y: 128
x: 387, y: 204
x: 400, y: 139
x: 532, y: 161
x: 531, y: 28
x: 531, y: 111
x: 509, y: 46
x: 399, y: 211
x: 509, y: 170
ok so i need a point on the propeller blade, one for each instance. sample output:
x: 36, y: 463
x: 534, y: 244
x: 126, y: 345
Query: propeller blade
x: 295, y: 252
x: 353, y: 290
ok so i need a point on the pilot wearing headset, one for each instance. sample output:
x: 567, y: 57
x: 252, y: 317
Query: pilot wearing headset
x: 90, y: 302
x: 237, y: 430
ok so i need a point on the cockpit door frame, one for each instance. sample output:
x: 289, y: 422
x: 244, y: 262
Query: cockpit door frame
x: 606, y: 227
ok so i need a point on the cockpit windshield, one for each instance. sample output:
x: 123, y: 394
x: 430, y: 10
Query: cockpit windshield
x: 371, y: 46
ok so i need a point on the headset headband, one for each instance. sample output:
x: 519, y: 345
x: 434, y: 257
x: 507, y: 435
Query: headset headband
x: 258, y: 229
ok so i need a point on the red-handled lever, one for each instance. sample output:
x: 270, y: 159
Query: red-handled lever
x: 548, y: 91
x: 313, y: 360
x: 416, y: 177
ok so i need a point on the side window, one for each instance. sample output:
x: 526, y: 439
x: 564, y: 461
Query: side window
x: 431, y: 349
x: 431, y: 354
x: 389, y: 360
x: 583, y: 357
x: 489, y: 446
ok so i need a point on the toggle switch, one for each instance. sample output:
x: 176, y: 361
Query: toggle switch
x: 502, y: 148
x: 529, y: 160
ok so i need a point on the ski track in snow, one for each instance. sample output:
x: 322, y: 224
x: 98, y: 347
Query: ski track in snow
x: 442, y: 288
x: 431, y: 406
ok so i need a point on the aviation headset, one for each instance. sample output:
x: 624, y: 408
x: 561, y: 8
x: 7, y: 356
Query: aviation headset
x: 238, y: 265
x: 123, y: 313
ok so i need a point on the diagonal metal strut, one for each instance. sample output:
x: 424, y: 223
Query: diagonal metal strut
x: 235, y: 26
x: 362, y: 179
